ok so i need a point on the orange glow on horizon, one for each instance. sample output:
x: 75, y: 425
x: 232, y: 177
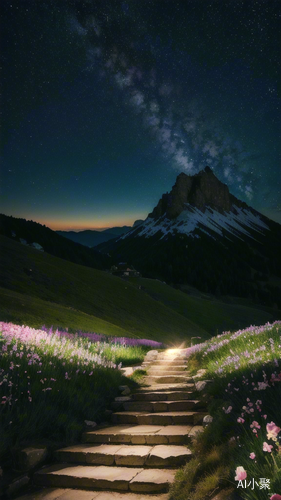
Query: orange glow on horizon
x: 68, y: 226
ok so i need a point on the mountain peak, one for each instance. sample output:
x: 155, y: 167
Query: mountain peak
x: 200, y: 191
x: 207, y: 170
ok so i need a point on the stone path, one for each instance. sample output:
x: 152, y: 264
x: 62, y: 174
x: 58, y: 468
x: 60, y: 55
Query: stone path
x: 137, y: 457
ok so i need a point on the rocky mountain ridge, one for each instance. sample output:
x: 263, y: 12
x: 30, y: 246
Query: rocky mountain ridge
x: 200, y: 191
x: 201, y: 204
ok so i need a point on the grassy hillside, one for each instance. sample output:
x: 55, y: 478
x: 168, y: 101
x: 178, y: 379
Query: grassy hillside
x: 207, y: 312
x: 84, y: 297
x: 52, y: 243
x: 24, y: 309
x: 38, y: 288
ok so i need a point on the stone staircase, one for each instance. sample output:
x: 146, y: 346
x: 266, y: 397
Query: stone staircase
x: 135, y: 458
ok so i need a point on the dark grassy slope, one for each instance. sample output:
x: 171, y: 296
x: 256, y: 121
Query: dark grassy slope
x: 96, y: 293
x: 213, y: 264
x: 23, y: 309
x: 53, y: 243
x: 40, y: 289
x: 205, y: 310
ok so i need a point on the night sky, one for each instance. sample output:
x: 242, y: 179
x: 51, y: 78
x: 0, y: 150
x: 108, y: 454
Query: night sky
x: 105, y: 102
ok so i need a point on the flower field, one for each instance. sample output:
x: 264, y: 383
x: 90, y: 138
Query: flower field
x: 241, y: 447
x: 51, y: 382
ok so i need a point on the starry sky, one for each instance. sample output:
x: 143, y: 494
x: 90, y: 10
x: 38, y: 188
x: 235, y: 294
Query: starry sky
x: 105, y: 102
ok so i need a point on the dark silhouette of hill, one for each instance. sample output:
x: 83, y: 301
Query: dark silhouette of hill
x: 51, y: 242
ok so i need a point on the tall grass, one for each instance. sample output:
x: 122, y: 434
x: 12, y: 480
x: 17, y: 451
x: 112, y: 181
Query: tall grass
x: 51, y: 382
x: 245, y: 402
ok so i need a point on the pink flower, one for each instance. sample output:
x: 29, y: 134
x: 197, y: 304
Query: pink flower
x: 228, y: 409
x: 240, y: 473
x: 267, y: 447
x: 272, y: 431
x: 262, y: 386
x: 240, y: 420
x: 252, y: 455
x: 275, y: 497
x: 255, y: 424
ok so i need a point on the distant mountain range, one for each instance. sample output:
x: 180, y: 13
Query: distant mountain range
x: 91, y: 238
x: 200, y: 234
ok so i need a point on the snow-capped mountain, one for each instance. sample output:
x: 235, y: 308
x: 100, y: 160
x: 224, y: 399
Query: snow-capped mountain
x: 237, y: 222
x: 200, y: 234
x: 201, y: 204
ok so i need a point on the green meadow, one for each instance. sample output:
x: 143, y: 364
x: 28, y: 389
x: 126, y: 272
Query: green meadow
x: 92, y: 299
x: 205, y: 310
x: 38, y: 288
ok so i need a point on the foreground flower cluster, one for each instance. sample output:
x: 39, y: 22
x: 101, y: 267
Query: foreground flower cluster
x: 245, y: 368
x: 97, y: 337
x: 50, y: 382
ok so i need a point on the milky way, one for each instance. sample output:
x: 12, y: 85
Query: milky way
x: 106, y: 101
x: 193, y: 111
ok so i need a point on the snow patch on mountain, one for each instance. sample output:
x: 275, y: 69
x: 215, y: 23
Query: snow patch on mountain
x: 238, y: 222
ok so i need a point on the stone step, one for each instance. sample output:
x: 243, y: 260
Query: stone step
x: 104, y: 477
x: 143, y: 434
x: 166, y: 360
x: 163, y: 364
x: 170, y: 357
x: 167, y: 370
x: 174, y: 362
x: 167, y: 379
x: 134, y: 458
x: 156, y: 406
x: 68, y: 494
x: 125, y: 455
x: 159, y: 418
x: 162, y: 395
x: 165, y: 387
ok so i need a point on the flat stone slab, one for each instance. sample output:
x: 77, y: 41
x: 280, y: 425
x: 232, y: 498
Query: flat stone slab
x: 125, y: 455
x: 86, y: 476
x: 167, y: 369
x: 68, y: 494
x: 125, y: 417
x: 162, y: 406
x: 167, y: 379
x: 174, y: 362
x: 99, y: 454
x: 144, y: 434
x: 102, y: 477
x: 132, y: 455
x: 152, y: 480
x: 166, y: 387
x: 168, y: 456
x: 138, y: 406
x: 162, y: 396
x: 158, y: 418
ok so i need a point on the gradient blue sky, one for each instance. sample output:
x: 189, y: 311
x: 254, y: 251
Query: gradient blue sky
x: 105, y: 102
